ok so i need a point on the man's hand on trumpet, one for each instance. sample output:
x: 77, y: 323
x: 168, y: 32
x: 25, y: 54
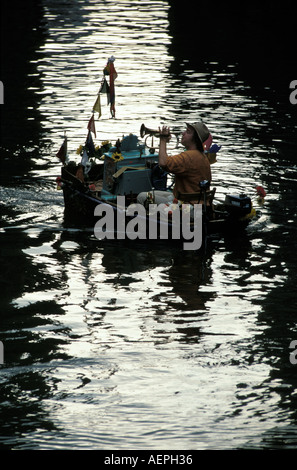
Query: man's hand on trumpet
x: 164, y: 134
x: 165, y: 137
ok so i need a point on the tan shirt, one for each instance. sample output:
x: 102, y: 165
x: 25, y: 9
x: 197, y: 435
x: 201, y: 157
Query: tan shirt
x: 189, y: 167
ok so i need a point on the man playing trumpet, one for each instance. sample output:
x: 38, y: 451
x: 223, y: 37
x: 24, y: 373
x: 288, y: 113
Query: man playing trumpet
x: 190, y: 167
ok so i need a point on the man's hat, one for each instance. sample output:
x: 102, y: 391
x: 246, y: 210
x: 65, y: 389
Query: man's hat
x: 203, y: 133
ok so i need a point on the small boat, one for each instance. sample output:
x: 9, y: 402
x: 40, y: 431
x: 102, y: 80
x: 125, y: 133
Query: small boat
x: 108, y: 179
x: 101, y: 190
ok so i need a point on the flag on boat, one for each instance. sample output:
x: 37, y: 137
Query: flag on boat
x: 97, y: 106
x: 91, y: 125
x: 62, y: 153
x: 109, y: 89
x: 84, y: 158
x: 111, y: 71
x: 105, y: 89
x: 89, y: 151
x: 90, y: 147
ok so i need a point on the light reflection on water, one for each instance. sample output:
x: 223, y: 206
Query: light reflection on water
x: 116, y: 346
x: 79, y: 52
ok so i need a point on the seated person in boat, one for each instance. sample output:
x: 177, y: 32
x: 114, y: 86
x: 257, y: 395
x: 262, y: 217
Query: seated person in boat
x: 190, y: 167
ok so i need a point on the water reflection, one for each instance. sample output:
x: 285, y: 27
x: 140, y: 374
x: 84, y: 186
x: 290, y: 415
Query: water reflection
x: 112, y: 302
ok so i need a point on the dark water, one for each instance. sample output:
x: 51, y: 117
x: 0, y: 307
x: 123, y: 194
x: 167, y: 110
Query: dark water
x: 109, y: 345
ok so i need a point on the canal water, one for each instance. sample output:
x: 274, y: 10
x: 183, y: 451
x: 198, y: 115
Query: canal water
x: 110, y: 345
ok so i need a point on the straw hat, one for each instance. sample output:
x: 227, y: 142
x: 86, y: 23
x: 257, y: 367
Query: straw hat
x: 203, y: 133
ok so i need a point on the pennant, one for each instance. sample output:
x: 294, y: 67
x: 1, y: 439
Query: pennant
x: 91, y: 125
x: 215, y: 148
x: 97, y: 106
x: 104, y: 86
x: 105, y: 89
x: 108, y: 89
x: 90, y: 147
x: 62, y: 153
x: 84, y: 158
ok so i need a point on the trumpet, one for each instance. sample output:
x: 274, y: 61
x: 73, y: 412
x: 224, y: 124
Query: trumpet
x: 146, y: 131
x: 149, y: 132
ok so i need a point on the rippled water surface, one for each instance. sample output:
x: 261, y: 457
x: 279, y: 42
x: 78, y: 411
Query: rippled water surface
x: 132, y: 346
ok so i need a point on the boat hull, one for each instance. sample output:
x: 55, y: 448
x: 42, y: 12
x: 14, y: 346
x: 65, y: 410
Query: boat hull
x: 81, y: 205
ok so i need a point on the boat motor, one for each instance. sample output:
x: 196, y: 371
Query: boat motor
x: 238, y: 205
